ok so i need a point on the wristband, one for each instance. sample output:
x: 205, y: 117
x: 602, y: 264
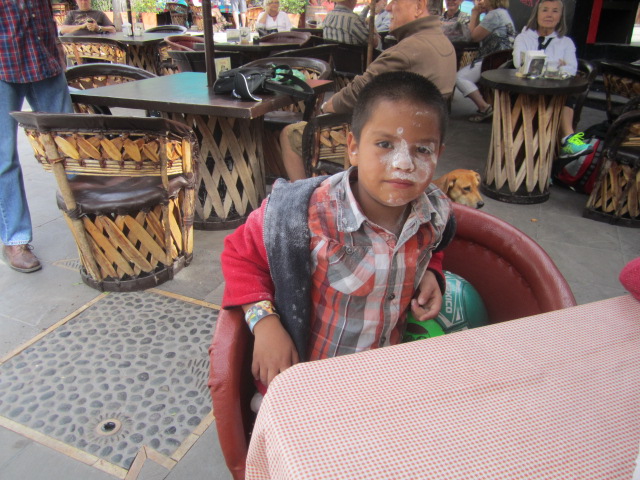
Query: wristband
x: 258, y: 311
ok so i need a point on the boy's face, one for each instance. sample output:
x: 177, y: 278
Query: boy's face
x: 396, y: 157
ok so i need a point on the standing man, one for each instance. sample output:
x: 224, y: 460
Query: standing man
x: 30, y: 68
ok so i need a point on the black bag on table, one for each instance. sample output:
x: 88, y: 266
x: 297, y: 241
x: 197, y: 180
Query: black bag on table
x: 244, y: 82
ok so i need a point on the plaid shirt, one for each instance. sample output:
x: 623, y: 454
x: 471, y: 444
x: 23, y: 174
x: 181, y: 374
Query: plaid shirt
x: 28, y: 51
x: 363, y: 276
x: 344, y: 26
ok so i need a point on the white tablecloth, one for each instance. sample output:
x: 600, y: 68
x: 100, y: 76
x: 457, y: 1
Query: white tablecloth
x: 549, y: 396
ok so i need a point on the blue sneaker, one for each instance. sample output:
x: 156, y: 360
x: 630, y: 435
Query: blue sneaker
x: 574, y: 146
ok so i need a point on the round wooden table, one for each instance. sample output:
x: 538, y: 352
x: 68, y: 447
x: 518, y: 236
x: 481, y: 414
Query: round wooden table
x: 524, y: 135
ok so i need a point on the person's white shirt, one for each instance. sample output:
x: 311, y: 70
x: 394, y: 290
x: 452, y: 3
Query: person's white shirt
x: 558, y: 48
x: 281, y: 23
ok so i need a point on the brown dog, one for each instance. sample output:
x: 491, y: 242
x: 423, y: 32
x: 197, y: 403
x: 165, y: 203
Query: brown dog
x: 461, y: 186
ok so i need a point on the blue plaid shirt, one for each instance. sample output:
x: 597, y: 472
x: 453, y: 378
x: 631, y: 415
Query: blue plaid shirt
x: 28, y: 51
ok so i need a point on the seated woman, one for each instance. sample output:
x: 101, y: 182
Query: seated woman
x: 455, y: 23
x: 86, y: 21
x: 496, y: 32
x: 546, y: 31
x: 272, y: 20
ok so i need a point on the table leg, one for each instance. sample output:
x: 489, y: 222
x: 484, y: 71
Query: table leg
x: 232, y: 178
x: 142, y: 56
x: 523, y: 140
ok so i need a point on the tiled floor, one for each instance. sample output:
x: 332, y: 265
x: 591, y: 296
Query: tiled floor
x: 590, y: 255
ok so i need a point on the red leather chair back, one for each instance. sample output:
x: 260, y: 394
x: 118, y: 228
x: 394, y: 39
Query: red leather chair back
x: 512, y: 273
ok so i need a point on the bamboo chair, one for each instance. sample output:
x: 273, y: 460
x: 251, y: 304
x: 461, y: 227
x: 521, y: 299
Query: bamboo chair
x: 252, y: 16
x: 178, y: 13
x: 275, y: 121
x: 615, y: 197
x: 621, y: 85
x: 93, y: 75
x: 60, y: 11
x: 126, y: 189
x: 324, y: 144
x: 80, y: 50
x: 514, y: 276
x: 178, y: 29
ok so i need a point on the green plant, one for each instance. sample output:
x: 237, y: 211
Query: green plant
x: 293, y: 6
x: 102, y: 5
x: 150, y: 6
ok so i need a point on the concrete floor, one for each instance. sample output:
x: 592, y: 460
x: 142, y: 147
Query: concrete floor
x: 590, y: 254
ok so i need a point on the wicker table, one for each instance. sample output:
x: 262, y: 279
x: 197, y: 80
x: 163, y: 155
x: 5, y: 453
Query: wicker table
x: 229, y: 132
x: 526, y: 120
x: 141, y: 49
x: 549, y: 396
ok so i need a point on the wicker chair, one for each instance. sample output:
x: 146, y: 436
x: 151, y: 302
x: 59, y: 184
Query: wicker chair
x: 274, y: 122
x: 349, y: 61
x: 615, y: 197
x: 182, y: 43
x: 252, y: 16
x: 126, y: 188
x: 324, y: 144
x: 178, y: 29
x: 178, y: 13
x: 621, y: 84
x: 60, y: 11
x: 81, y: 50
x: 513, y: 274
x: 92, y: 75
x: 196, y: 61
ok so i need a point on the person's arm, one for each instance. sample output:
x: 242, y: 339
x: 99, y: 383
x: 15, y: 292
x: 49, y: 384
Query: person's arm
x: 106, y: 24
x: 428, y: 302
x: 569, y: 61
x: 519, y: 46
x: 261, y: 22
x: 477, y: 31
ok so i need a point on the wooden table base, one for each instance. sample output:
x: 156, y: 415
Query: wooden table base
x: 232, y: 178
x: 143, y: 56
x: 523, y: 144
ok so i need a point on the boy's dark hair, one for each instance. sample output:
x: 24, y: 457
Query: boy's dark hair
x: 398, y: 86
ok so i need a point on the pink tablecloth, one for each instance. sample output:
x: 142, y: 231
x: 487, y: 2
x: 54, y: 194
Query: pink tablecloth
x: 548, y: 396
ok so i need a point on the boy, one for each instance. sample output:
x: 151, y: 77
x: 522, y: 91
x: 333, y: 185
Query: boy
x: 330, y: 266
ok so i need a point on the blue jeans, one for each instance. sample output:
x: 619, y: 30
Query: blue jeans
x: 50, y: 95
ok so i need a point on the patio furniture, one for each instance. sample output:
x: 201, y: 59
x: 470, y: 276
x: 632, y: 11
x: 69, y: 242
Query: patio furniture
x: 548, y: 396
x: 126, y: 189
x: 513, y: 274
x: 178, y: 13
x: 184, y: 43
x: 297, y: 38
x: 176, y: 29
x: 324, y: 144
x: 229, y: 133
x: 349, y: 61
x: 88, y: 49
x: 321, y: 52
x: 615, y: 197
x: 524, y: 134
x: 60, y: 11
x: 92, y: 75
x: 186, y: 61
x: 141, y: 50
x: 621, y: 85
x: 252, y: 16
x: 198, y: 20
x: 274, y: 122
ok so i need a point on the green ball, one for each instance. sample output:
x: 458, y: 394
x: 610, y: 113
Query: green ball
x: 462, y: 308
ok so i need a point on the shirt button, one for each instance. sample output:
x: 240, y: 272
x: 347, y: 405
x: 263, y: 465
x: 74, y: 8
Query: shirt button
x: 383, y: 339
x: 392, y: 296
x: 349, y: 250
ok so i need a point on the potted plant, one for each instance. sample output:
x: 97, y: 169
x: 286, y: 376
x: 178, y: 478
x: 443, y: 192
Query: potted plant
x: 294, y: 9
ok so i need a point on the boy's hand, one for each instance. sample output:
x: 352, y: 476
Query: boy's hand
x: 429, y: 300
x: 273, y: 350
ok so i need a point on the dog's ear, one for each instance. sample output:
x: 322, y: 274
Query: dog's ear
x: 451, y: 181
x: 478, y: 177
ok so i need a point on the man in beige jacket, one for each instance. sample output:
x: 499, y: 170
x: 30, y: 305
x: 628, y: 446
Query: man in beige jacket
x: 422, y: 48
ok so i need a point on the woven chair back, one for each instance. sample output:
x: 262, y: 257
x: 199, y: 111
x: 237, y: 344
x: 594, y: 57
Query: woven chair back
x: 82, y: 50
x: 132, y: 234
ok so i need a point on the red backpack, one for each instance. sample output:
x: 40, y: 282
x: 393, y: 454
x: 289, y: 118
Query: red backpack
x: 581, y: 173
